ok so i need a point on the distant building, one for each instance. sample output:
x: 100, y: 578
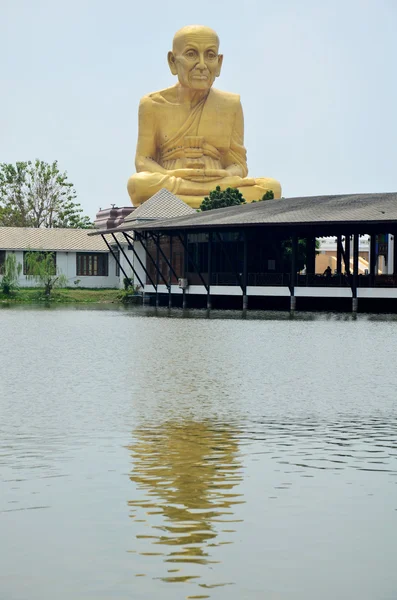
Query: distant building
x: 85, y: 261
x: 327, y: 254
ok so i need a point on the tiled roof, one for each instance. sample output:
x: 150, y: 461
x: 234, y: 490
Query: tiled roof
x: 353, y: 208
x: 163, y: 205
x: 26, y: 238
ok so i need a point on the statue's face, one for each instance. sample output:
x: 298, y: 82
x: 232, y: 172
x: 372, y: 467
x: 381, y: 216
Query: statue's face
x: 195, y: 59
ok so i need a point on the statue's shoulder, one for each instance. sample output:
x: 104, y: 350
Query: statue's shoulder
x: 158, y: 97
x: 227, y: 98
x: 168, y: 96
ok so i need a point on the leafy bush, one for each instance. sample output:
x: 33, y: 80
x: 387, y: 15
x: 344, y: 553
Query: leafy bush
x: 11, y: 271
x: 128, y: 293
x: 269, y: 195
x: 222, y: 198
x: 230, y: 197
x: 41, y: 267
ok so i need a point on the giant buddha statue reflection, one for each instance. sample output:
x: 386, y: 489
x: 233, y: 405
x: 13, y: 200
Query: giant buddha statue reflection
x: 191, y: 136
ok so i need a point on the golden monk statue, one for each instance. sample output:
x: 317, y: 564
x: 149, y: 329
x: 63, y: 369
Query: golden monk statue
x: 191, y: 136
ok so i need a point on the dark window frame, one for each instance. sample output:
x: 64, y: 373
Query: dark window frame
x: 92, y: 264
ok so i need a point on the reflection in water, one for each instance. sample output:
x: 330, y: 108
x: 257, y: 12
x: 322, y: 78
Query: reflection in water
x: 297, y: 415
x: 186, y: 474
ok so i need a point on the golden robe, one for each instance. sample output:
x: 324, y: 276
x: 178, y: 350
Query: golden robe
x: 207, y: 137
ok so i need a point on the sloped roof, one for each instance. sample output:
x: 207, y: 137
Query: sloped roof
x: 27, y: 238
x: 163, y: 205
x: 353, y: 208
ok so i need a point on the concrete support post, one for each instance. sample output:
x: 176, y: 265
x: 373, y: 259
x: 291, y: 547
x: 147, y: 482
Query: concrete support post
x: 157, y: 271
x: 390, y: 261
x: 372, y: 258
x: 347, y: 253
x: 185, y: 269
x: 310, y: 255
x: 294, y: 256
x: 209, y: 269
x: 356, y: 239
x: 245, y: 271
x: 170, y: 276
x: 339, y: 254
x: 355, y: 256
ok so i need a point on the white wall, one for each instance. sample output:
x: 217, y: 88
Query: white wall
x: 139, y: 249
x: 66, y: 264
x: 126, y: 266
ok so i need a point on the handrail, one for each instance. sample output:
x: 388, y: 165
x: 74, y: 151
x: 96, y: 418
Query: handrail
x: 307, y: 280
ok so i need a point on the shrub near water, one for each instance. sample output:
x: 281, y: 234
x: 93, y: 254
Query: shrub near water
x: 41, y: 267
x: 11, y: 271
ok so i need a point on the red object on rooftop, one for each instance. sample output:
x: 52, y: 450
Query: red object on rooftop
x: 109, y: 218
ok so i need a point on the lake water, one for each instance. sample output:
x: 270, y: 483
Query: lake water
x: 148, y: 455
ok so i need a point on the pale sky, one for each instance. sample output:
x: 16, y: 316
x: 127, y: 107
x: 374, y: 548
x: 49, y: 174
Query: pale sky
x: 318, y: 84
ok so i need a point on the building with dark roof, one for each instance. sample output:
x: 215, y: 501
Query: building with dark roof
x: 266, y: 251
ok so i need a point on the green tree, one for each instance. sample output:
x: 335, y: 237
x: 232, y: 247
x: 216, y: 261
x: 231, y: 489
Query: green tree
x: 222, y: 198
x: 38, y: 194
x: 41, y: 267
x: 269, y: 195
x: 301, y: 258
x: 230, y: 197
x: 10, y: 271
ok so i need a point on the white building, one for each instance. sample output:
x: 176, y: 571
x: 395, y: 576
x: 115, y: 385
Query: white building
x: 327, y: 255
x: 85, y: 260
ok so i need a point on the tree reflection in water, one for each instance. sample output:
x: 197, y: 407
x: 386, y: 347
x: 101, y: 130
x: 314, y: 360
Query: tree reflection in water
x: 185, y: 474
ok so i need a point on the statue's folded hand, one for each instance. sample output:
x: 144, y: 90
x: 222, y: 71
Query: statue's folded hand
x: 186, y: 173
x: 200, y: 174
x: 216, y: 173
x: 210, y: 175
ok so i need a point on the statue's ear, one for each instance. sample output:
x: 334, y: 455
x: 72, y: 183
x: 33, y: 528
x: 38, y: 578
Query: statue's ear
x: 171, y: 63
x: 220, y: 61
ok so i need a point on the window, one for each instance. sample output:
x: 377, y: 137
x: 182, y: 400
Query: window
x: 92, y: 264
x: 117, y: 259
x: 271, y: 264
x: 2, y: 261
x: 41, y: 256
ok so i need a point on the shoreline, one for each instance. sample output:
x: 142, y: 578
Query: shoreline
x: 35, y: 295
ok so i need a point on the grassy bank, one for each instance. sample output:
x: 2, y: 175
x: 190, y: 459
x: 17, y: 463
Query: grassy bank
x: 65, y: 295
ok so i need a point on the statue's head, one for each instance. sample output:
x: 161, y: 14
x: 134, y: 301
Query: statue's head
x: 194, y: 57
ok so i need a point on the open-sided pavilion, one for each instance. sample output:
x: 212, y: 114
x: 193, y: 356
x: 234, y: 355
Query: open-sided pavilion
x: 258, y: 251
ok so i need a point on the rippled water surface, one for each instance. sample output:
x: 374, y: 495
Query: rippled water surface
x: 150, y: 455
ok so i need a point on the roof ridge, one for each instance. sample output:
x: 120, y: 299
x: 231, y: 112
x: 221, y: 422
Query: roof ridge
x: 162, y: 205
